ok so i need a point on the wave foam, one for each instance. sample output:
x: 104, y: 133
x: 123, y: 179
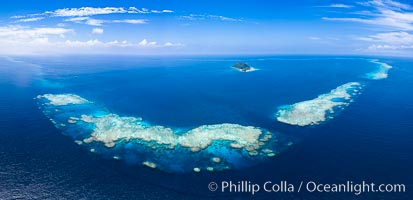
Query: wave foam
x: 249, y: 70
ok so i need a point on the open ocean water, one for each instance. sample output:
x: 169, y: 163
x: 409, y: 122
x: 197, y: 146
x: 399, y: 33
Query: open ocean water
x: 370, y: 140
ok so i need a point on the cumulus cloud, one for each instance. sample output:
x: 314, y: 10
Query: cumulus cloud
x: 169, y: 44
x: 19, y: 39
x: 378, y: 47
x: 97, y: 31
x: 97, y: 43
x: 26, y: 40
x: 146, y: 43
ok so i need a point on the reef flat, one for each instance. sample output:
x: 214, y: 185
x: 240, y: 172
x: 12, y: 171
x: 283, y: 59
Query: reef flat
x: 213, y: 147
x: 381, y: 72
x: 320, y: 109
x: 112, y: 128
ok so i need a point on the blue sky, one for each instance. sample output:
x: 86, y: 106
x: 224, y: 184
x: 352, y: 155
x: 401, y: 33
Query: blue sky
x: 382, y: 27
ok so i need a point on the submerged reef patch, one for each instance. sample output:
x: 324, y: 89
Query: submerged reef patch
x: 214, y: 147
x: 381, y: 72
x: 320, y: 109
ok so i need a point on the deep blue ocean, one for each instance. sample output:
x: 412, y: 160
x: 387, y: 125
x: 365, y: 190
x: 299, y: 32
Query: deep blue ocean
x: 371, y: 140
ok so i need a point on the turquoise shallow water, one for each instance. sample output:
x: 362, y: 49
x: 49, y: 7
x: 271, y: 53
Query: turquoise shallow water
x: 371, y: 135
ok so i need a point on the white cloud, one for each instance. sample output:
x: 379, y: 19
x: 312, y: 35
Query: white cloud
x: 162, y: 11
x: 314, y: 38
x: 97, y: 43
x: 380, y: 47
x: 94, y: 22
x: 387, y: 13
x: 21, y: 40
x: 33, y: 19
x: 137, y: 10
x: 22, y: 33
x: 76, y: 43
x: 388, y: 4
x: 77, y: 13
x: 146, y: 43
x: 147, y: 11
x: 49, y: 40
x: 337, y: 5
x: 350, y: 19
x: 98, y: 22
x: 224, y: 18
x: 77, y: 19
x: 393, y: 19
x: 89, y: 11
x: 340, y: 6
x: 17, y: 16
x: 86, y: 20
x: 323, y: 40
x: 391, y: 40
x: 130, y: 21
x: 210, y: 17
x: 86, y: 11
x: 94, y: 43
x: 170, y: 44
x: 97, y: 31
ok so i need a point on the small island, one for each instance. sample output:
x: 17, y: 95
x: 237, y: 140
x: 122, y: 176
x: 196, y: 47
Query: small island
x: 243, y: 67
